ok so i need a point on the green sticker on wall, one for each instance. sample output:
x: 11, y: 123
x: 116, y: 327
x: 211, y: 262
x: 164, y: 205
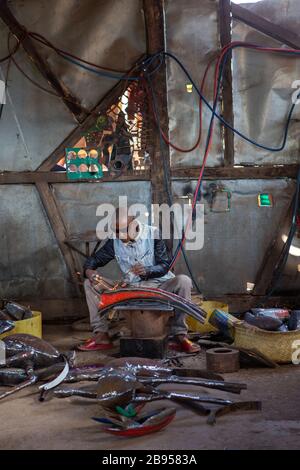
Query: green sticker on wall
x: 83, y: 163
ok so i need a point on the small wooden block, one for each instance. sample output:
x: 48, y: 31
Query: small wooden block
x: 147, y: 323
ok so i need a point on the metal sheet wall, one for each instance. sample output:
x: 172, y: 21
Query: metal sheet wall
x: 262, y: 89
x: 31, y: 263
x: 33, y: 123
x: 79, y: 202
x: 109, y: 33
x: 192, y: 35
x: 235, y: 242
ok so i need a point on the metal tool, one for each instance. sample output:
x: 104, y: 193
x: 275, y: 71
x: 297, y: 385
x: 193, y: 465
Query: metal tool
x: 163, y: 395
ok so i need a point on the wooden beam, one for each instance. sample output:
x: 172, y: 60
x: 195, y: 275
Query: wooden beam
x: 265, y: 273
x: 103, y: 105
x: 239, y: 303
x: 177, y: 173
x: 227, y: 100
x: 154, y: 20
x: 32, y: 177
x: 275, y: 31
x: 62, y: 311
x: 251, y: 172
x: 59, y: 229
x: 42, y: 65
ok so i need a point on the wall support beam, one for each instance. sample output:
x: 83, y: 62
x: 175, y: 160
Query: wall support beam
x: 44, y: 68
x: 234, y: 173
x: 265, y: 273
x: 59, y: 229
x: 275, y: 31
x: 104, y: 104
x: 154, y: 19
x: 238, y: 172
x: 227, y: 100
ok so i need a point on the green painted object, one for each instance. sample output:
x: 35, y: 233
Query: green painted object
x: 83, y: 163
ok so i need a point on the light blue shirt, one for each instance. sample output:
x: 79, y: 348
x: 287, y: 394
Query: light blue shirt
x: 140, y: 251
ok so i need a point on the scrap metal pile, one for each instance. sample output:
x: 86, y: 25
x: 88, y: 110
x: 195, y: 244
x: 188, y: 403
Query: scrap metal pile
x: 123, y: 386
x: 27, y: 360
x: 10, y: 313
x: 274, y: 319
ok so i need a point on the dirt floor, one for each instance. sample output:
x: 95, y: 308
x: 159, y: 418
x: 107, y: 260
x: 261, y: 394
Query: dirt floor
x: 66, y: 423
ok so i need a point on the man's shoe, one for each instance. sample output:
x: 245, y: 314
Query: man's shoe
x: 184, y: 345
x: 91, y: 345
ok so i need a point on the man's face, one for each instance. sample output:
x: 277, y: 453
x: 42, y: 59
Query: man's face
x: 122, y: 233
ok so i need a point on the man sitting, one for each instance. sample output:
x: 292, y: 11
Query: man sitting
x: 142, y: 257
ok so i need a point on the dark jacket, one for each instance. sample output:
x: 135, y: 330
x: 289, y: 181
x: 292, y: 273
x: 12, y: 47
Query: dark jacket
x: 107, y: 253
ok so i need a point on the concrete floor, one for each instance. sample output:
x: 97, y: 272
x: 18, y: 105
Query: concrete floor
x: 65, y: 423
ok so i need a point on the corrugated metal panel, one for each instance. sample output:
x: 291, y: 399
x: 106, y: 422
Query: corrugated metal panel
x: 110, y: 33
x: 33, y: 123
x: 31, y: 263
x: 262, y: 89
x: 79, y: 202
x: 235, y: 242
x: 192, y: 35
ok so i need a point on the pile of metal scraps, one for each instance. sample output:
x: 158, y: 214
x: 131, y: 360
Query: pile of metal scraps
x: 27, y: 360
x: 124, y: 386
x: 274, y: 319
x: 10, y: 313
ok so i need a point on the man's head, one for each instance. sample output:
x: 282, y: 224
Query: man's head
x: 124, y: 226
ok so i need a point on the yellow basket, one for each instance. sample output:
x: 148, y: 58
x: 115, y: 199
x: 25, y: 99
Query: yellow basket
x: 209, y: 306
x: 277, y: 346
x: 31, y: 326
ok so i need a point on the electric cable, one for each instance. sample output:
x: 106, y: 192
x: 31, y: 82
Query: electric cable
x: 224, y: 54
x: 10, y: 54
x: 222, y: 60
x: 146, y: 63
x: 227, y: 51
x: 38, y: 37
x: 46, y: 90
x: 169, y: 194
x: 180, y: 246
x: 219, y: 70
x: 191, y: 149
x: 98, y: 72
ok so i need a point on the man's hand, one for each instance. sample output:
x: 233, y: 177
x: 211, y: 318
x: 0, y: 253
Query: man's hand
x: 139, y: 270
x: 120, y: 285
x: 91, y: 274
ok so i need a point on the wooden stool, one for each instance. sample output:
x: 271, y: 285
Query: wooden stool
x: 148, y: 328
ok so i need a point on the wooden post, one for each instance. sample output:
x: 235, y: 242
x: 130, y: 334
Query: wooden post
x: 225, y: 38
x: 59, y: 229
x: 265, y: 273
x: 154, y: 19
x: 101, y: 107
x: 161, y: 186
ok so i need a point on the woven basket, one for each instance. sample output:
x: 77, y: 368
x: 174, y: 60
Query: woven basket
x: 275, y: 345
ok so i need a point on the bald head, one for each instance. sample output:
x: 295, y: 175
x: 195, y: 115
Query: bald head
x: 124, y: 225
